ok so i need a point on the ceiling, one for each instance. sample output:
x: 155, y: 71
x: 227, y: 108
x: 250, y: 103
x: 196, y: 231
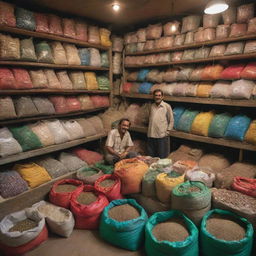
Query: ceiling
x: 132, y: 12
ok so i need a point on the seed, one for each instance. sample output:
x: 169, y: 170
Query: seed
x: 65, y: 188
x: 23, y: 225
x: 123, y: 212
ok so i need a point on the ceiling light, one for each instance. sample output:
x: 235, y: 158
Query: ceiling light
x: 216, y: 6
x: 116, y: 7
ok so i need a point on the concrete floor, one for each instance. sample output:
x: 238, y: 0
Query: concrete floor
x: 80, y: 243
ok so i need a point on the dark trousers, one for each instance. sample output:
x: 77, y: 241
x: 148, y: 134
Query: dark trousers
x: 159, y: 147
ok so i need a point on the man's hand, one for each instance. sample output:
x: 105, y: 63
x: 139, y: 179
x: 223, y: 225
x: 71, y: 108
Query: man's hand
x: 123, y: 155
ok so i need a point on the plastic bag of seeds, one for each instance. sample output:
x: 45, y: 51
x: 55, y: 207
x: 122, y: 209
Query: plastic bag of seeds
x: 105, y: 37
x: 77, y: 79
x: 218, y: 50
x: 177, y: 113
x: 250, y: 46
x: 104, y: 59
x: 91, y: 81
x: 68, y: 27
x: 148, y: 183
x: 87, y: 205
x: 221, y: 90
x: 118, y: 43
x: 234, y: 48
x: 190, y: 23
x: 25, y: 19
x: 7, y: 80
x: 202, y: 53
x: 97, y: 124
x: 85, y: 56
x: 218, y: 125
x: 93, y: 35
x: 81, y: 30
x: 241, y: 89
x: 59, y: 54
x: 89, y: 129
x: 73, y: 104
x: 38, y: 78
x: 64, y: 80
x: 63, y: 190
x: 85, y: 102
x: 53, y: 82
x: 189, y: 39
x: 74, y: 129
x: 211, y: 21
x: 7, y: 16
x: 59, y: 103
x: 71, y: 161
x: 222, y: 31
x: 186, y: 120
x: 44, y: 53
x: 72, y: 54
x: 245, y: 13
x: 229, y: 16
x: 171, y: 28
x: 90, y: 157
x: 238, y: 30
x: 10, y: 47
x: 7, y: 109
x: 22, y: 78
x: 27, y: 50
x: 89, y: 174
x: 55, y: 24
x: 154, y: 31
x: 41, y: 22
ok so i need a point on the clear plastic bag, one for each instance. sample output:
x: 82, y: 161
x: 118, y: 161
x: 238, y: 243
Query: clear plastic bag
x: 234, y: 48
x: 211, y: 20
x: 72, y: 54
x: 25, y: 19
x: 55, y: 24
x: 222, y: 31
x: 77, y: 78
x: 218, y: 50
x: 229, y: 16
x: 168, y: 89
x: 97, y: 124
x: 117, y: 44
x: 179, y: 89
x: 209, y: 34
x: 189, y: 39
x: 68, y: 27
x: 250, y: 46
x: 141, y: 35
x: 232, y: 72
x: 245, y: 13
x: 163, y: 58
x: 41, y: 22
x: 190, y: 23
x: 238, y: 30
x: 59, y: 54
x: 93, y: 35
x: 44, y: 52
x: 170, y: 75
x: 117, y: 60
x: 85, y: 56
x: 176, y: 56
x: 164, y: 42
x: 171, y: 28
x: 95, y: 60
x: 22, y: 78
x: 74, y: 129
x: 9, y: 47
x: 81, y: 31
x: 154, y: 31
x: 241, y: 89
x: 7, y: 80
x: 203, y: 90
x: 27, y: 50
x: 7, y: 109
x: 196, y: 74
x: 104, y: 59
x: 188, y: 54
x: 191, y: 89
x: 105, y: 37
x: 71, y: 161
x: 179, y: 40
x: 130, y: 38
x: 65, y: 82
x: 149, y: 45
x: 202, y: 53
x: 7, y: 16
x: 184, y: 73
x: 251, y: 26
x: 151, y: 75
x: 103, y: 82
x: 38, y: 78
x: 91, y: 81
x: 53, y: 82
x: 73, y: 104
x: 88, y: 128
x: 85, y: 102
x: 140, y: 47
x: 199, y: 35
x: 43, y: 106
x: 60, y: 104
x: 25, y: 107
x: 59, y: 133
x: 221, y: 90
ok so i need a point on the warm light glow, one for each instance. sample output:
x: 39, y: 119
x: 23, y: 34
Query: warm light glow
x: 173, y: 28
x: 116, y: 7
x: 216, y: 6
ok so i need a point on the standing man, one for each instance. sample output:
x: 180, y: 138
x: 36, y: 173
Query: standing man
x: 119, y: 143
x: 160, y: 124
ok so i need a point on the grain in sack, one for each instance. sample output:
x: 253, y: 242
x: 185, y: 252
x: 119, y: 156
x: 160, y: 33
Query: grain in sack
x: 81, y: 30
x: 44, y: 52
x: 93, y: 35
x: 38, y: 78
x: 73, y: 128
x: 73, y: 104
x: 25, y: 19
x: 25, y: 107
x: 55, y: 24
x: 43, y: 106
x: 22, y: 77
x: 9, y: 48
x: 64, y: 79
x: 59, y: 54
x: 7, y: 16
x: 27, y: 50
x: 41, y: 22
x: 77, y: 79
x: 90, y: 157
x: 71, y: 161
x: 72, y: 54
x: 59, y: 103
x: 7, y: 109
x: 68, y: 27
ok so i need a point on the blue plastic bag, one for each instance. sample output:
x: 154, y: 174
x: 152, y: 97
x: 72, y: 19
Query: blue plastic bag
x: 177, y: 113
x: 142, y: 75
x: 84, y: 55
x: 145, y: 88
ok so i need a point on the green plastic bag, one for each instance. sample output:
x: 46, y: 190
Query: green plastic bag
x: 106, y: 169
x: 218, y: 125
x: 26, y: 138
x: 104, y: 59
x: 188, y: 247
x: 211, y: 246
x: 148, y: 183
x: 44, y: 52
x: 186, y: 120
x: 126, y: 234
x: 103, y: 82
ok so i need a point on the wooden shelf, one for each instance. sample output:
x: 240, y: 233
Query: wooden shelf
x: 196, y: 45
x: 197, y: 100
x: 51, y: 91
x: 49, y: 149
x: 23, y: 32
x: 36, y: 118
x: 47, y: 65
x: 229, y: 57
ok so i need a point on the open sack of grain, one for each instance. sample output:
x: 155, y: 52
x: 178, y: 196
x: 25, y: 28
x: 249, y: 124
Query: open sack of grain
x: 89, y: 174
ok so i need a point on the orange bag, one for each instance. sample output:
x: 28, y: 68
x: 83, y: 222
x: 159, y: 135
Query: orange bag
x: 203, y: 90
x: 212, y: 72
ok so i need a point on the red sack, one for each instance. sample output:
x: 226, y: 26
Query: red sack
x: 55, y: 24
x: 249, y: 71
x: 127, y: 87
x: 81, y: 31
x: 7, y: 80
x: 112, y: 192
x: 59, y: 103
x: 100, y: 101
x: 63, y: 199
x: 88, y: 216
x: 245, y: 185
x: 20, y: 250
x: 41, y: 22
x: 22, y: 78
x: 7, y: 16
x: 90, y: 157
x: 232, y: 72
x: 73, y: 104
x: 69, y: 28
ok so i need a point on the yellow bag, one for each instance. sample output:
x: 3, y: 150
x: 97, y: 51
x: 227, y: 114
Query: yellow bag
x: 203, y: 90
x: 250, y: 135
x: 165, y: 185
x: 33, y: 174
x: 104, y: 37
x: 201, y: 123
x: 91, y: 81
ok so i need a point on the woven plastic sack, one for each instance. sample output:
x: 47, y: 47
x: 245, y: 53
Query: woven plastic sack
x: 42, y: 131
x: 179, y: 40
x: 117, y: 60
x: 9, y: 48
x: 188, y: 54
x: 202, y: 53
x: 203, y: 90
x: 7, y: 109
x: 211, y: 20
x: 222, y: 31
x: 91, y: 81
x: 202, y: 123
x: 64, y: 80
x: 229, y: 16
x: 145, y: 88
x: 85, y: 102
x: 25, y: 19
x: 26, y: 138
x: 55, y: 24
x: 250, y: 135
x: 177, y: 113
x: 7, y: 16
x: 25, y: 107
x: 59, y: 54
x: 234, y: 48
x: 73, y: 104
x: 184, y: 73
x: 237, y: 127
x: 8, y: 145
x: 68, y: 28
x: 53, y: 82
x: 38, y: 78
x: 154, y: 31
x: 199, y: 35
x: 250, y: 46
x: 251, y: 26
x: 196, y: 74
x: 209, y: 34
x: 212, y: 72
x: 191, y: 89
x: 93, y: 35
x: 77, y: 79
x: 33, y: 174
x: 249, y: 72
x: 97, y: 124
x: 186, y: 120
x: 44, y: 53
x: 22, y: 78
x: 81, y: 30
x: 232, y: 72
x: 179, y: 89
x: 171, y: 28
x: 41, y: 22
x: 95, y: 59
x: 241, y: 89
x: 218, y: 50
x: 89, y: 175
x: 72, y: 54
x: 74, y: 129
x: 105, y: 37
x: 190, y: 23
x: 71, y: 161
x: 221, y: 90
x: 245, y: 13
x: 27, y: 50
x: 118, y: 43
x: 224, y: 247
x: 238, y: 30
x: 88, y: 128
x: 60, y: 104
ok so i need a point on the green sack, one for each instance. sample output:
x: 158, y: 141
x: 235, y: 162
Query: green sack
x: 125, y: 234
x: 211, y: 246
x: 218, y: 125
x: 186, y: 120
x: 26, y: 138
x: 103, y: 82
x: 188, y: 247
x: 106, y: 169
x: 44, y: 52
x: 148, y: 183
x: 104, y: 59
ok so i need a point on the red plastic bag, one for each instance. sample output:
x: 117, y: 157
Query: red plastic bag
x: 100, y: 101
x: 55, y: 25
x: 88, y: 216
x: 232, y: 72
x: 90, y: 157
x: 249, y: 71
x: 41, y: 22
x: 60, y: 104
x: 63, y: 199
x: 69, y: 28
x: 7, y: 16
x: 73, y: 104
x: 112, y: 192
x: 81, y: 31
x: 7, y: 80
x: 127, y: 87
x: 245, y: 185
x: 20, y: 250
x: 22, y: 78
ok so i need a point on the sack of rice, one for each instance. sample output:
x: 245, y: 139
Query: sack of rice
x: 89, y: 174
x: 10, y: 47
x: 78, y: 81
x: 72, y: 54
x: 44, y: 52
x: 22, y: 78
x: 25, y: 107
x: 7, y: 16
x: 27, y: 50
x: 74, y: 129
x: 53, y: 82
x: 72, y: 162
x: 90, y: 157
x: 122, y: 224
x: 7, y: 109
x: 55, y: 25
x: 43, y: 106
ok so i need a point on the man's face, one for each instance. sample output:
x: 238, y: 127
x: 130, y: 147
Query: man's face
x: 124, y: 126
x: 158, y: 97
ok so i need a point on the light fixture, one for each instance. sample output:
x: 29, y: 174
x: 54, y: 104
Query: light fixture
x: 216, y: 6
x: 116, y: 7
